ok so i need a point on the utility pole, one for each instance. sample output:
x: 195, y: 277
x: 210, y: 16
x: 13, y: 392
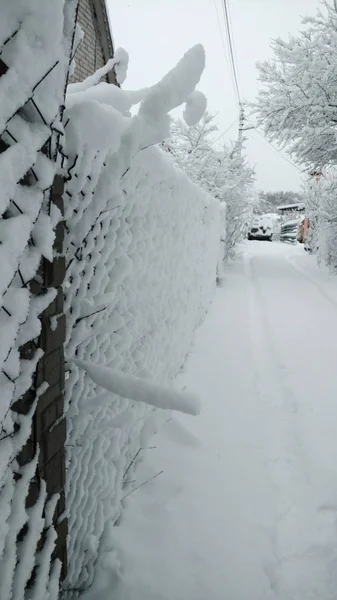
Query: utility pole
x: 241, y: 125
x: 242, y: 128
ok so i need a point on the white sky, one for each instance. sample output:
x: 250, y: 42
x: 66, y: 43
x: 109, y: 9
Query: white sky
x: 156, y: 33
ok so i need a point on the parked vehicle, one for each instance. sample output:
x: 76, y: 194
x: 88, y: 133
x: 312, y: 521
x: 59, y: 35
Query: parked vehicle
x: 262, y: 229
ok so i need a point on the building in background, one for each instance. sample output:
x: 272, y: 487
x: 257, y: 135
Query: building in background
x: 290, y: 209
x: 97, y: 45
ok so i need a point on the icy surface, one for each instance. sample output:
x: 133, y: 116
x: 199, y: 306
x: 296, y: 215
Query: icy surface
x: 245, y: 503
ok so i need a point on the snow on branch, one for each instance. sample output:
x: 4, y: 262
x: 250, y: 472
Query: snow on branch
x: 141, y: 390
x: 195, y: 108
x: 169, y: 93
x: 177, y: 85
x: 92, y: 79
x: 296, y: 103
x: 152, y: 124
x: 119, y: 62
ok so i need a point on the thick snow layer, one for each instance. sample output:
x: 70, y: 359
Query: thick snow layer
x: 31, y: 93
x: 143, y: 253
x: 149, y: 281
x: 136, y: 388
x: 195, y: 108
x: 178, y: 85
x: 121, y: 64
x: 245, y: 503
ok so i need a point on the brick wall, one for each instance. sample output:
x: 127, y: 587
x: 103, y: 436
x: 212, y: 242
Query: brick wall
x: 50, y: 423
x: 96, y: 47
x: 49, y: 426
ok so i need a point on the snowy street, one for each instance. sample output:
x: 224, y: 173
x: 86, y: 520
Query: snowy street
x: 168, y: 296
x: 245, y: 508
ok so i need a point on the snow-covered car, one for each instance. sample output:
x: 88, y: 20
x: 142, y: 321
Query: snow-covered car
x: 261, y: 230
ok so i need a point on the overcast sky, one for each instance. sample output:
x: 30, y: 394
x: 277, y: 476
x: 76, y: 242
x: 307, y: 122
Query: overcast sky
x: 156, y: 33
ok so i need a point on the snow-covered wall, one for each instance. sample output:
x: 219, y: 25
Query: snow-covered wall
x: 142, y: 250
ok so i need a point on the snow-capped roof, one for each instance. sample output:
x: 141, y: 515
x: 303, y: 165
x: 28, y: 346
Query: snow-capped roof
x: 296, y: 206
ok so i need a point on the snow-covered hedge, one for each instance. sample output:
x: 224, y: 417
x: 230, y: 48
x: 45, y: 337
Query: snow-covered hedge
x: 142, y: 248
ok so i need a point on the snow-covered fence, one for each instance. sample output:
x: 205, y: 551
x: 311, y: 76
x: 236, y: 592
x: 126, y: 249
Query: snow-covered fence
x: 138, y: 289
x: 33, y: 69
x: 142, y: 250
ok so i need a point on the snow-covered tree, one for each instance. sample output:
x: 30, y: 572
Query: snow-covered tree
x: 240, y: 195
x: 269, y: 201
x: 327, y: 234
x: 297, y: 102
x: 321, y: 193
x: 223, y: 173
x: 192, y: 150
x: 297, y: 106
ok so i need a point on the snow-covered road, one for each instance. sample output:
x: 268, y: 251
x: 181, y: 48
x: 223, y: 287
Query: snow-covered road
x: 246, y: 505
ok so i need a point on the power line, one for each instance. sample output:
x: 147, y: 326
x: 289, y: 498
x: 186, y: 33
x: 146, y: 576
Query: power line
x: 278, y: 151
x: 231, y: 49
x: 224, y: 45
x: 231, y: 28
x: 226, y: 131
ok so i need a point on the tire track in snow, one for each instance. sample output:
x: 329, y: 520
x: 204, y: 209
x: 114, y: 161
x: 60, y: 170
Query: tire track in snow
x: 285, y: 460
x: 312, y: 281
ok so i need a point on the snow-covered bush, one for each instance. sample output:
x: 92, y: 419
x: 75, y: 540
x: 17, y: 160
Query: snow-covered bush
x: 142, y: 249
x: 240, y: 195
x: 222, y: 173
x: 321, y: 204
